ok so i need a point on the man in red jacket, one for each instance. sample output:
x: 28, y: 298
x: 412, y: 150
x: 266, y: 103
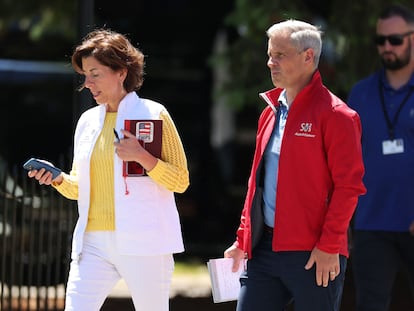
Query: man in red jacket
x: 304, y: 184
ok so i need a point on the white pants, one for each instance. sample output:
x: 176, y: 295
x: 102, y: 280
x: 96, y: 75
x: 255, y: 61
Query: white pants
x: 92, y: 278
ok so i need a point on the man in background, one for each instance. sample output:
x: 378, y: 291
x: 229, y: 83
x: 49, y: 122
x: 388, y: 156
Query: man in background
x: 385, y: 103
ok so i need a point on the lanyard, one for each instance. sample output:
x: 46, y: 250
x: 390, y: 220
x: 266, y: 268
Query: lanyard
x: 391, y: 124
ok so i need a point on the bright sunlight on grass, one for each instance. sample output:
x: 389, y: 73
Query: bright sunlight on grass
x: 193, y: 267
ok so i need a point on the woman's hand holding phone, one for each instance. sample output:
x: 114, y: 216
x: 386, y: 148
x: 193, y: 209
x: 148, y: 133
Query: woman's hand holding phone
x: 43, y: 171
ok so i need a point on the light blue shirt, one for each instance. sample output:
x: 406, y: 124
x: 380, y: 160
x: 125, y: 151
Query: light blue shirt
x: 271, y: 162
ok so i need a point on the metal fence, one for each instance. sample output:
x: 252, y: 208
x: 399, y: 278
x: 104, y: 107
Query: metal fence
x: 36, y: 225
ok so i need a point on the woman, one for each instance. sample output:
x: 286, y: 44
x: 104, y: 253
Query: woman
x: 128, y: 227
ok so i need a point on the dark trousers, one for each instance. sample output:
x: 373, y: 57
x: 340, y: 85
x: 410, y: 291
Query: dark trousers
x: 273, y: 280
x: 376, y: 258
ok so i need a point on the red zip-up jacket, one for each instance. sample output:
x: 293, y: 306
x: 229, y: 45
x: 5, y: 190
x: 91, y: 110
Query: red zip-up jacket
x: 320, y: 174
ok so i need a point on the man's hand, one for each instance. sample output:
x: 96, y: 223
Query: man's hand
x: 411, y: 229
x: 327, y: 266
x: 237, y: 254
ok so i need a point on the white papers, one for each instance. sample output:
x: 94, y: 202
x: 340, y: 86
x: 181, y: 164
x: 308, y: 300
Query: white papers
x: 225, y: 284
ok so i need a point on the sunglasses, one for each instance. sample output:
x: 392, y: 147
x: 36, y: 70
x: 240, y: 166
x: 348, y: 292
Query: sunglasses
x: 394, y: 40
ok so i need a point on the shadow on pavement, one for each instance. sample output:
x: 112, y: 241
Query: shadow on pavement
x: 178, y: 303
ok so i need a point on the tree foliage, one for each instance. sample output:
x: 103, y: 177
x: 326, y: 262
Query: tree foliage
x: 39, y: 18
x: 348, y: 53
x: 43, y: 27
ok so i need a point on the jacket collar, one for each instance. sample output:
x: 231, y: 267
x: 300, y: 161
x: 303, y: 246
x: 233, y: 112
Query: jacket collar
x: 271, y: 96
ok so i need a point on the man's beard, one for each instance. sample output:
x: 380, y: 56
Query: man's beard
x: 396, y: 64
x: 399, y: 62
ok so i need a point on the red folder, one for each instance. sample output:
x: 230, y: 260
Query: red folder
x: 149, y: 134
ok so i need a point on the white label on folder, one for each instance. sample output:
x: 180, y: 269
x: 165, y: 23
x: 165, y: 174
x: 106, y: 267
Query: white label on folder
x: 393, y: 146
x: 145, y: 131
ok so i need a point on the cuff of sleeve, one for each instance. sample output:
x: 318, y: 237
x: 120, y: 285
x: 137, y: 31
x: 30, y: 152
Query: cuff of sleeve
x: 65, y: 182
x: 158, y: 170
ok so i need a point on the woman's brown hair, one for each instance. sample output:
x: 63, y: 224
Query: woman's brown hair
x: 115, y: 51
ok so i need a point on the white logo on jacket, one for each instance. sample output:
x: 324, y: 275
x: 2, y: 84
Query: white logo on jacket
x: 305, y: 129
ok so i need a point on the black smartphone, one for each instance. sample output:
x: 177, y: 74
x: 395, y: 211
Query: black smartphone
x: 36, y: 164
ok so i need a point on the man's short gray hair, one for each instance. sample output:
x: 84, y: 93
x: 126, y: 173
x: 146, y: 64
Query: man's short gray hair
x: 302, y: 35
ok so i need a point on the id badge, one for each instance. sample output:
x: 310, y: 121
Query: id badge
x: 393, y: 146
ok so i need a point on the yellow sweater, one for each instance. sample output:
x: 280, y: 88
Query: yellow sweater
x: 170, y: 171
x: 101, y: 209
